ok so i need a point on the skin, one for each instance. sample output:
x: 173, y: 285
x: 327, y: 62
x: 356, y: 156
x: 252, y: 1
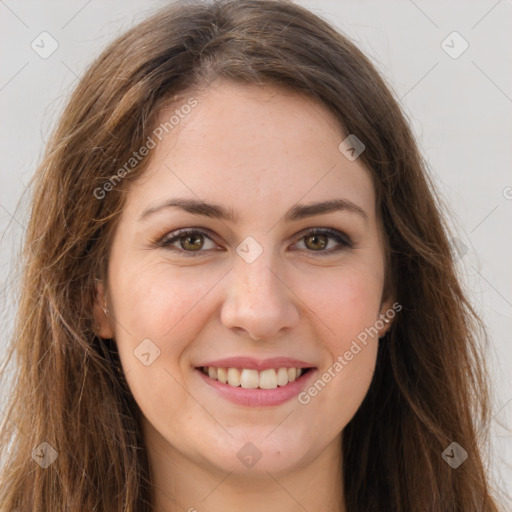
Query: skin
x: 259, y: 150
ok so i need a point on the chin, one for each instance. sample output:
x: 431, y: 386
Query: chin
x: 256, y: 454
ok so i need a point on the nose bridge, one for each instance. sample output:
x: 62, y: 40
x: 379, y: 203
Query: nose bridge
x: 256, y: 262
x: 257, y: 300
x: 256, y: 277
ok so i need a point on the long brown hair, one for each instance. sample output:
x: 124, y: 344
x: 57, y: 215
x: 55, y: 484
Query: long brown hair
x: 429, y: 388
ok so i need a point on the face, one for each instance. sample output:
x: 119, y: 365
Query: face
x: 271, y: 285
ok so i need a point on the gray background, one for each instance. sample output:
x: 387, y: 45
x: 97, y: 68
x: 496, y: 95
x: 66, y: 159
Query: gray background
x: 460, y: 109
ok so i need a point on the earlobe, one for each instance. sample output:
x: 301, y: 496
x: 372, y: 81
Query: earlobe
x: 387, y: 313
x: 386, y: 325
x: 102, y: 319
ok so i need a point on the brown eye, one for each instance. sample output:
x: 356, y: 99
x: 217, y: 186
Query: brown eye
x: 316, y: 242
x: 187, y: 242
x: 191, y: 242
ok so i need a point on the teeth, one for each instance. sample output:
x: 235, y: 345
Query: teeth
x: 282, y: 376
x: 233, y: 377
x: 249, y: 379
x: 222, y: 375
x: 252, y: 379
x: 268, y: 379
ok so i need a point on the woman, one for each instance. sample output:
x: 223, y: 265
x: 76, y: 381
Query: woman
x: 238, y: 288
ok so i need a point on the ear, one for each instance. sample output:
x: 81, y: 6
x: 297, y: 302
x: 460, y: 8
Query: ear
x: 386, y: 315
x: 104, y: 326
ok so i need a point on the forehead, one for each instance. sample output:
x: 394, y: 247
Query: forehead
x: 251, y: 146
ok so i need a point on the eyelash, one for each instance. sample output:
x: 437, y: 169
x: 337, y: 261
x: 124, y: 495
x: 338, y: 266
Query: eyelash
x: 170, y: 238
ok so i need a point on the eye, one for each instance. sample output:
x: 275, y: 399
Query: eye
x: 318, y: 239
x: 192, y: 241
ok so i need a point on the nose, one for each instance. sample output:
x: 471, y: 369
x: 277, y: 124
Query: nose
x: 259, y: 302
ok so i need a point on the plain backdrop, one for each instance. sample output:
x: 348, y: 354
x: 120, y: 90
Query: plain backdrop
x: 456, y: 90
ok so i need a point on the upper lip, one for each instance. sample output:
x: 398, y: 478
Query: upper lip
x: 257, y: 364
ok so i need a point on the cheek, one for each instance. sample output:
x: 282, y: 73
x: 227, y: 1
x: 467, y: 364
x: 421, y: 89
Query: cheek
x: 158, y: 312
x: 341, y: 388
x: 346, y: 304
x: 159, y: 302
x: 344, y: 301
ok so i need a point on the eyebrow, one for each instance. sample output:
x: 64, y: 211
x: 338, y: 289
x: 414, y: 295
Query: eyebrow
x: 297, y: 212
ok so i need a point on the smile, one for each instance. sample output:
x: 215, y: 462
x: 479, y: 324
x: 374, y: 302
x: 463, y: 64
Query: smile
x: 251, y: 379
x: 256, y: 388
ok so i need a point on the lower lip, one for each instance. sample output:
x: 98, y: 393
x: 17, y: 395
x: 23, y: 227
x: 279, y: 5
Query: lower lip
x: 259, y: 397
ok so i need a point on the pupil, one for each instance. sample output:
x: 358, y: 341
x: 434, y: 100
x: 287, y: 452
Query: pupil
x: 193, y: 245
x: 315, y: 239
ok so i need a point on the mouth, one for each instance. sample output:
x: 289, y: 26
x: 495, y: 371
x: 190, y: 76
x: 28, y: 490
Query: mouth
x: 255, y: 388
x: 249, y: 378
